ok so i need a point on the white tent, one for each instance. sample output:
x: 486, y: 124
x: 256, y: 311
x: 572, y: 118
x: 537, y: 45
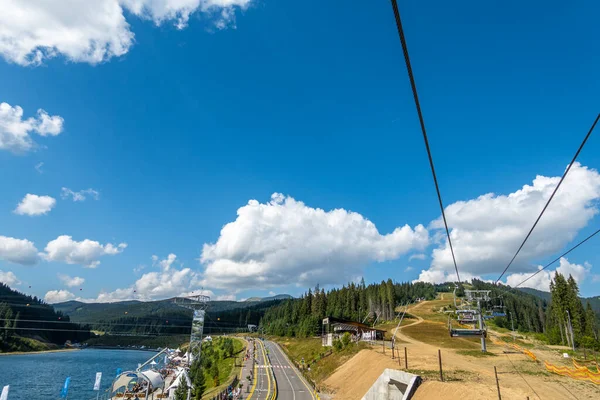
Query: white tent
x: 155, y: 379
x: 175, y: 383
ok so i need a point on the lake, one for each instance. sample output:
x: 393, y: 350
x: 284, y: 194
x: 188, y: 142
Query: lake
x: 41, y: 376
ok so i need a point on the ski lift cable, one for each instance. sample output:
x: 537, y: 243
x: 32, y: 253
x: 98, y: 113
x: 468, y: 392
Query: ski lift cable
x: 551, y: 196
x: 422, y: 122
x: 556, y: 259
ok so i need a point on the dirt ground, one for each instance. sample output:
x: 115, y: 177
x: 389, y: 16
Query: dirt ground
x: 465, y: 375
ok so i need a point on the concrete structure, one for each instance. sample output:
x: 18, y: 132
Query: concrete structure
x: 393, y: 385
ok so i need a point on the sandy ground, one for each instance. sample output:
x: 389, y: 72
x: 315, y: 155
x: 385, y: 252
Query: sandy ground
x: 466, y: 376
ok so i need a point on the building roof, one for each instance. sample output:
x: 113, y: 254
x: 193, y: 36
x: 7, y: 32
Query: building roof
x: 348, y: 323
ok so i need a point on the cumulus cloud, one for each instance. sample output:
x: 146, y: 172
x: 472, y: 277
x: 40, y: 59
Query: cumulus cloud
x: 486, y: 231
x: 542, y: 280
x: 18, y: 251
x: 71, y: 281
x: 93, y: 31
x: 58, y: 296
x: 9, y: 278
x: 15, y: 132
x: 81, y: 195
x: 33, y: 204
x: 416, y: 257
x: 167, y: 282
x: 286, y: 241
x: 86, y: 253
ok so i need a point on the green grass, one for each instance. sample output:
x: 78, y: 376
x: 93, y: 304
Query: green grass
x: 437, y: 334
x: 509, y: 339
x: 476, y: 353
x: 226, y: 369
x: 322, y: 363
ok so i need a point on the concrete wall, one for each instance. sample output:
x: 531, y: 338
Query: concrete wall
x: 393, y: 385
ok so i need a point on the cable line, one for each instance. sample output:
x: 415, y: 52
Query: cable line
x: 422, y: 122
x: 551, y: 196
x: 558, y: 258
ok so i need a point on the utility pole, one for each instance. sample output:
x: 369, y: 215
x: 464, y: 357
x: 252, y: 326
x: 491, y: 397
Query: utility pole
x: 512, y: 323
x: 480, y: 318
x: 571, y: 330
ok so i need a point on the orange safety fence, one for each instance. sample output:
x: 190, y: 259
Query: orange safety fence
x: 582, y: 375
x: 516, y: 347
x: 580, y: 367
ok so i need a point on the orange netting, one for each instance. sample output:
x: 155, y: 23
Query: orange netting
x: 582, y: 374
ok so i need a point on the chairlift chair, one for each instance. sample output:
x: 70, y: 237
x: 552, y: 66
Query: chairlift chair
x: 459, y: 332
x: 467, y: 316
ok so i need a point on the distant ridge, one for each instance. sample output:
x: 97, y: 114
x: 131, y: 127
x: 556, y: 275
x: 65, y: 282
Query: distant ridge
x: 271, y: 298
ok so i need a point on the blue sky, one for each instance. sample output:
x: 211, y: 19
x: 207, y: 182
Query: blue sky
x: 183, y: 127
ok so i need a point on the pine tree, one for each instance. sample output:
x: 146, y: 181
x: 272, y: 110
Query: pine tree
x: 214, y: 373
x: 198, y: 380
x: 181, y: 393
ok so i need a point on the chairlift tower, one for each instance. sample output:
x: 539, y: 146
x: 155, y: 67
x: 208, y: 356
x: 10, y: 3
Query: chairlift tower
x: 479, y: 296
x: 198, y: 304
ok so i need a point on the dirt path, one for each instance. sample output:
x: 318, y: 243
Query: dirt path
x: 467, y: 372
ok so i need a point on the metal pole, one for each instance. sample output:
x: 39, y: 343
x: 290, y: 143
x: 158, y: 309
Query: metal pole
x: 483, y: 347
x: 440, y: 359
x: 512, y: 323
x: 571, y: 330
x: 497, y: 384
x: 405, y: 358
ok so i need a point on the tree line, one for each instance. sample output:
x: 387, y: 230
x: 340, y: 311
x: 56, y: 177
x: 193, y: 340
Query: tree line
x: 27, y: 316
x: 567, y: 314
x: 358, y: 302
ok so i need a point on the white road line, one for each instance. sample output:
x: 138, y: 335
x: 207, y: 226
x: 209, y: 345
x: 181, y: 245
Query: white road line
x: 286, y: 376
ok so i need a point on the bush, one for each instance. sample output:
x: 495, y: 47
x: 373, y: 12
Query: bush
x: 346, y: 339
x: 337, y: 344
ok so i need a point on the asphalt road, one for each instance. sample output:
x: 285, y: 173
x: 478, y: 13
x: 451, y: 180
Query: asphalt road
x: 265, y: 385
x: 290, y: 383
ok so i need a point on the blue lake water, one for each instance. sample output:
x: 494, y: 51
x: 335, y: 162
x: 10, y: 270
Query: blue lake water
x: 41, y: 376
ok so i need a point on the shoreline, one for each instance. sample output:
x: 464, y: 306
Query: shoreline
x: 22, y: 353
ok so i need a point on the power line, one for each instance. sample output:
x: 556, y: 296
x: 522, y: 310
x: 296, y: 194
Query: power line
x: 551, y: 196
x: 422, y: 122
x: 558, y: 258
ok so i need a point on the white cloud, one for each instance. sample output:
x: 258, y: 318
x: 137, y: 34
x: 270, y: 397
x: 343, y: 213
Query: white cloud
x: 15, y: 132
x: 71, y: 281
x: 168, y: 282
x: 416, y: 257
x: 65, y: 193
x: 93, y: 31
x: 408, y: 269
x: 33, y: 204
x: 58, y: 296
x: 9, y: 278
x: 225, y: 297
x: 38, y: 167
x: 541, y: 281
x: 285, y: 241
x: 18, y: 251
x: 487, y: 231
x: 86, y: 252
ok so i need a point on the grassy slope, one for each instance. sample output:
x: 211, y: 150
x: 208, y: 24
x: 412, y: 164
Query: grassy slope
x: 312, y: 351
x: 226, y: 371
x: 23, y: 344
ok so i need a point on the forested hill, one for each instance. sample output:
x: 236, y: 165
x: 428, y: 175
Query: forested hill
x: 530, y: 312
x: 23, y: 316
x: 302, y: 317
x: 164, y: 317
